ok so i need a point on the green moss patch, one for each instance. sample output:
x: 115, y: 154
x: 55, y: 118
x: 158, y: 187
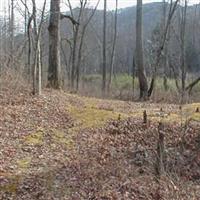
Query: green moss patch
x: 35, y: 138
x: 61, y: 137
x: 24, y: 163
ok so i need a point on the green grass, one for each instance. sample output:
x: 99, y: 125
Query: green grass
x: 123, y: 83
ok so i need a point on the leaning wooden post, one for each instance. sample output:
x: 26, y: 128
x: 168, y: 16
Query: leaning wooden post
x: 160, y: 150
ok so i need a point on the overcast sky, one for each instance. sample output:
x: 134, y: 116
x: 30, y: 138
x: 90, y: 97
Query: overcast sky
x: 19, y: 11
x: 75, y: 3
x: 124, y: 3
x: 111, y: 3
x: 92, y: 3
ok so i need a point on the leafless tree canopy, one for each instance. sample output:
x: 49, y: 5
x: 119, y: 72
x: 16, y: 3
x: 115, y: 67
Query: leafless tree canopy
x: 68, y: 47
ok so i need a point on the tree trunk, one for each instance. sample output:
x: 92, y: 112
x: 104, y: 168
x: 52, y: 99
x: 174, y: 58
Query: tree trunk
x: 113, y: 47
x: 35, y: 88
x: 76, y: 30
x: 165, y: 62
x: 54, y: 71
x: 139, y: 54
x: 183, y: 49
x: 37, y: 69
x: 81, y: 45
x: 74, y: 56
x: 133, y: 78
x: 104, y: 50
x: 12, y: 29
x: 172, y: 9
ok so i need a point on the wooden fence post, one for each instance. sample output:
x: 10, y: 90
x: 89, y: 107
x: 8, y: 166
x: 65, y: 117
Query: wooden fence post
x: 160, y: 150
x: 145, y: 117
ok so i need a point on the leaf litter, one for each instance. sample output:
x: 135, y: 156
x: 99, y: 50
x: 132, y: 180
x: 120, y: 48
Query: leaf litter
x: 62, y: 146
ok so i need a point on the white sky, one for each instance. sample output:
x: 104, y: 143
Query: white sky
x: 124, y: 3
x: 111, y: 3
x: 19, y: 11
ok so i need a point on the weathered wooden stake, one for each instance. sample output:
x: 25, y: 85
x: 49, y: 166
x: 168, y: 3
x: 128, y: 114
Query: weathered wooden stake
x: 160, y: 150
x: 145, y: 117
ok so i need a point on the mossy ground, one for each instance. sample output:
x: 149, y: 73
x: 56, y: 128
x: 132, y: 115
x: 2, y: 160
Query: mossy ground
x: 96, y: 112
x: 35, y: 138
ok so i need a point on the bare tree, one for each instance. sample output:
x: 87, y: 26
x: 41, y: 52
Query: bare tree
x: 37, y: 76
x: 54, y: 71
x: 34, y: 47
x: 76, y: 46
x: 25, y: 17
x: 82, y: 37
x: 183, y: 48
x: 75, y: 40
x: 12, y: 32
x: 67, y: 60
x: 139, y: 54
x: 104, y: 67
x: 29, y: 32
x: 113, y: 47
x: 165, y: 56
x: 172, y: 9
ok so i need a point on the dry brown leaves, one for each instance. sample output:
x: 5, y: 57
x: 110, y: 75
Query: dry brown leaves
x: 112, y: 162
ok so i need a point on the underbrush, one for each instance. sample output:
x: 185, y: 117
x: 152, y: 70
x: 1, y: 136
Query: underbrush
x: 12, y: 85
x: 122, y: 88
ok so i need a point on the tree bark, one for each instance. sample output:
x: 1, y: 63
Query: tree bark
x: 104, y: 49
x: 54, y: 71
x: 113, y: 47
x: 12, y: 30
x: 139, y: 54
x: 183, y: 49
x: 165, y: 61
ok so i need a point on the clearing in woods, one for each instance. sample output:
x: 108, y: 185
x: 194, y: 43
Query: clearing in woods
x: 63, y: 146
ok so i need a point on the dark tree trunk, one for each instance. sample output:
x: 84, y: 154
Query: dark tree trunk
x: 113, y: 48
x: 139, y: 54
x: 54, y: 71
x: 104, y: 50
x: 183, y: 49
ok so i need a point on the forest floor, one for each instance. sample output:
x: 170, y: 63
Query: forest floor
x: 64, y: 146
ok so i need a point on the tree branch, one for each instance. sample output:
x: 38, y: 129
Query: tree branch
x: 191, y: 85
x: 74, y: 22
